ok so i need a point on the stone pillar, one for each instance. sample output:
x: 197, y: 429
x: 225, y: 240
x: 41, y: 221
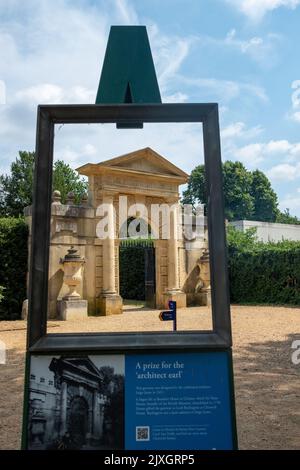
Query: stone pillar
x: 109, y: 302
x: 96, y: 416
x: 173, y: 268
x: 173, y: 291
x: 63, y: 408
x: 109, y: 284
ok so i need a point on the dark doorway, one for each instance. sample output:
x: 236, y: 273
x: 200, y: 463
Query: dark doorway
x: 78, y: 421
x: 137, y: 271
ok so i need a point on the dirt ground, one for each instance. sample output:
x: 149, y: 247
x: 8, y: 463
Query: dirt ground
x: 267, y: 384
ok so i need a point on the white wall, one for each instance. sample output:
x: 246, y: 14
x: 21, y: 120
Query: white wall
x: 266, y: 231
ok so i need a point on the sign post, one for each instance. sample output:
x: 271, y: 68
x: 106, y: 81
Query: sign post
x: 169, y: 315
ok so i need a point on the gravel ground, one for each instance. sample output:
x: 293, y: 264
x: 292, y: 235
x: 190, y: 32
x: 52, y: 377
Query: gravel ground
x: 267, y: 384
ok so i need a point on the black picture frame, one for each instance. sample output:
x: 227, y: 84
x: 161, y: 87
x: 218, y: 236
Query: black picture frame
x: 38, y: 341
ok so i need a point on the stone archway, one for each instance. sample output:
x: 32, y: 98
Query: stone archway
x: 144, y: 179
x: 141, y: 179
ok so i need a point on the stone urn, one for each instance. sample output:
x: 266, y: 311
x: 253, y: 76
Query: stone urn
x: 203, y: 285
x: 73, y: 268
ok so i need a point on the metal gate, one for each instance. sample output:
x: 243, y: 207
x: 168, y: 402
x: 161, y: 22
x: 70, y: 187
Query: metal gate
x: 150, y: 284
x: 138, y: 280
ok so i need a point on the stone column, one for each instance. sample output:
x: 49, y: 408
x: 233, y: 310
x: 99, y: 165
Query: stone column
x: 63, y: 408
x: 109, y: 302
x: 96, y: 416
x: 173, y: 267
x: 173, y: 291
x: 109, y: 283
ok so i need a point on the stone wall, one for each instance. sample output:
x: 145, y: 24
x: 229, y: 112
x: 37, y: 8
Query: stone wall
x: 267, y: 231
x: 76, y: 225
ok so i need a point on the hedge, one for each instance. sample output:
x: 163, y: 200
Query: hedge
x: 132, y: 268
x: 265, y: 273
x: 13, y: 268
x: 259, y: 273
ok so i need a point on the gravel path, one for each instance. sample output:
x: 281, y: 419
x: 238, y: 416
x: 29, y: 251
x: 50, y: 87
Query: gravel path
x: 267, y: 384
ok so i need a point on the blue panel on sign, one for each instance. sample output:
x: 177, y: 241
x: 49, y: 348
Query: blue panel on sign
x: 167, y: 315
x: 178, y: 401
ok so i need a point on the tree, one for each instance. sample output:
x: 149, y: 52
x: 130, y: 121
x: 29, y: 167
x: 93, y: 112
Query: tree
x: 238, y: 240
x: 237, y: 185
x: 286, y: 218
x: 16, y: 188
x: 65, y: 179
x: 196, y: 190
x: 247, y: 195
x: 264, y: 198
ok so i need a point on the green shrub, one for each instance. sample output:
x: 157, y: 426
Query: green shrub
x: 132, y: 271
x: 13, y: 269
x: 1, y: 293
x: 263, y: 273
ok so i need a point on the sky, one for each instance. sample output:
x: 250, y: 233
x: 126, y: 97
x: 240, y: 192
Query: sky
x: 242, y: 54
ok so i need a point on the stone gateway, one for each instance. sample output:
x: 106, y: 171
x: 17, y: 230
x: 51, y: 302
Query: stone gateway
x: 69, y: 405
x: 142, y: 180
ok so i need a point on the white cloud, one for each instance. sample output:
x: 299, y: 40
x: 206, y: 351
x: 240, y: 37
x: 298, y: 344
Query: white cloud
x: 296, y: 116
x: 127, y: 14
x: 239, y: 130
x: 227, y: 90
x: 262, y: 50
x: 176, y: 98
x: 70, y: 155
x: 251, y: 155
x: 255, y: 10
x: 290, y: 202
x: 295, y: 113
x: 2, y: 92
x: 170, y: 53
x: 47, y: 93
x: 52, y: 52
x: 233, y: 135
x: 255, y: 153
x: 178, y: 142
x: 284, y: 172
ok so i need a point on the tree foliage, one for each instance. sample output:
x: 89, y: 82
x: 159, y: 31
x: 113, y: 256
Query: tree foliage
x: 264, y: 198
x: 17, y: 187
x: 286, y: 218
x: 238, y: 240
x: 65, y: 179
x: 247, y: 195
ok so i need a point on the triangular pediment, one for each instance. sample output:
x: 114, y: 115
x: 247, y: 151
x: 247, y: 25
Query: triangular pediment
x: 84, y: 364
x: 144, y: 161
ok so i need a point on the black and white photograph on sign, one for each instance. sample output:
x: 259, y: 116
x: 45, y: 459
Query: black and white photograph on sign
x: 76, y: 403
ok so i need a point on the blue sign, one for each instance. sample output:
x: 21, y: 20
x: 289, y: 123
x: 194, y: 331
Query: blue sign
x: 178, y: 401
x: 166, y: 315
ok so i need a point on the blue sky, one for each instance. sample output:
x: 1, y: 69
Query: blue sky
x: 243, y: 54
